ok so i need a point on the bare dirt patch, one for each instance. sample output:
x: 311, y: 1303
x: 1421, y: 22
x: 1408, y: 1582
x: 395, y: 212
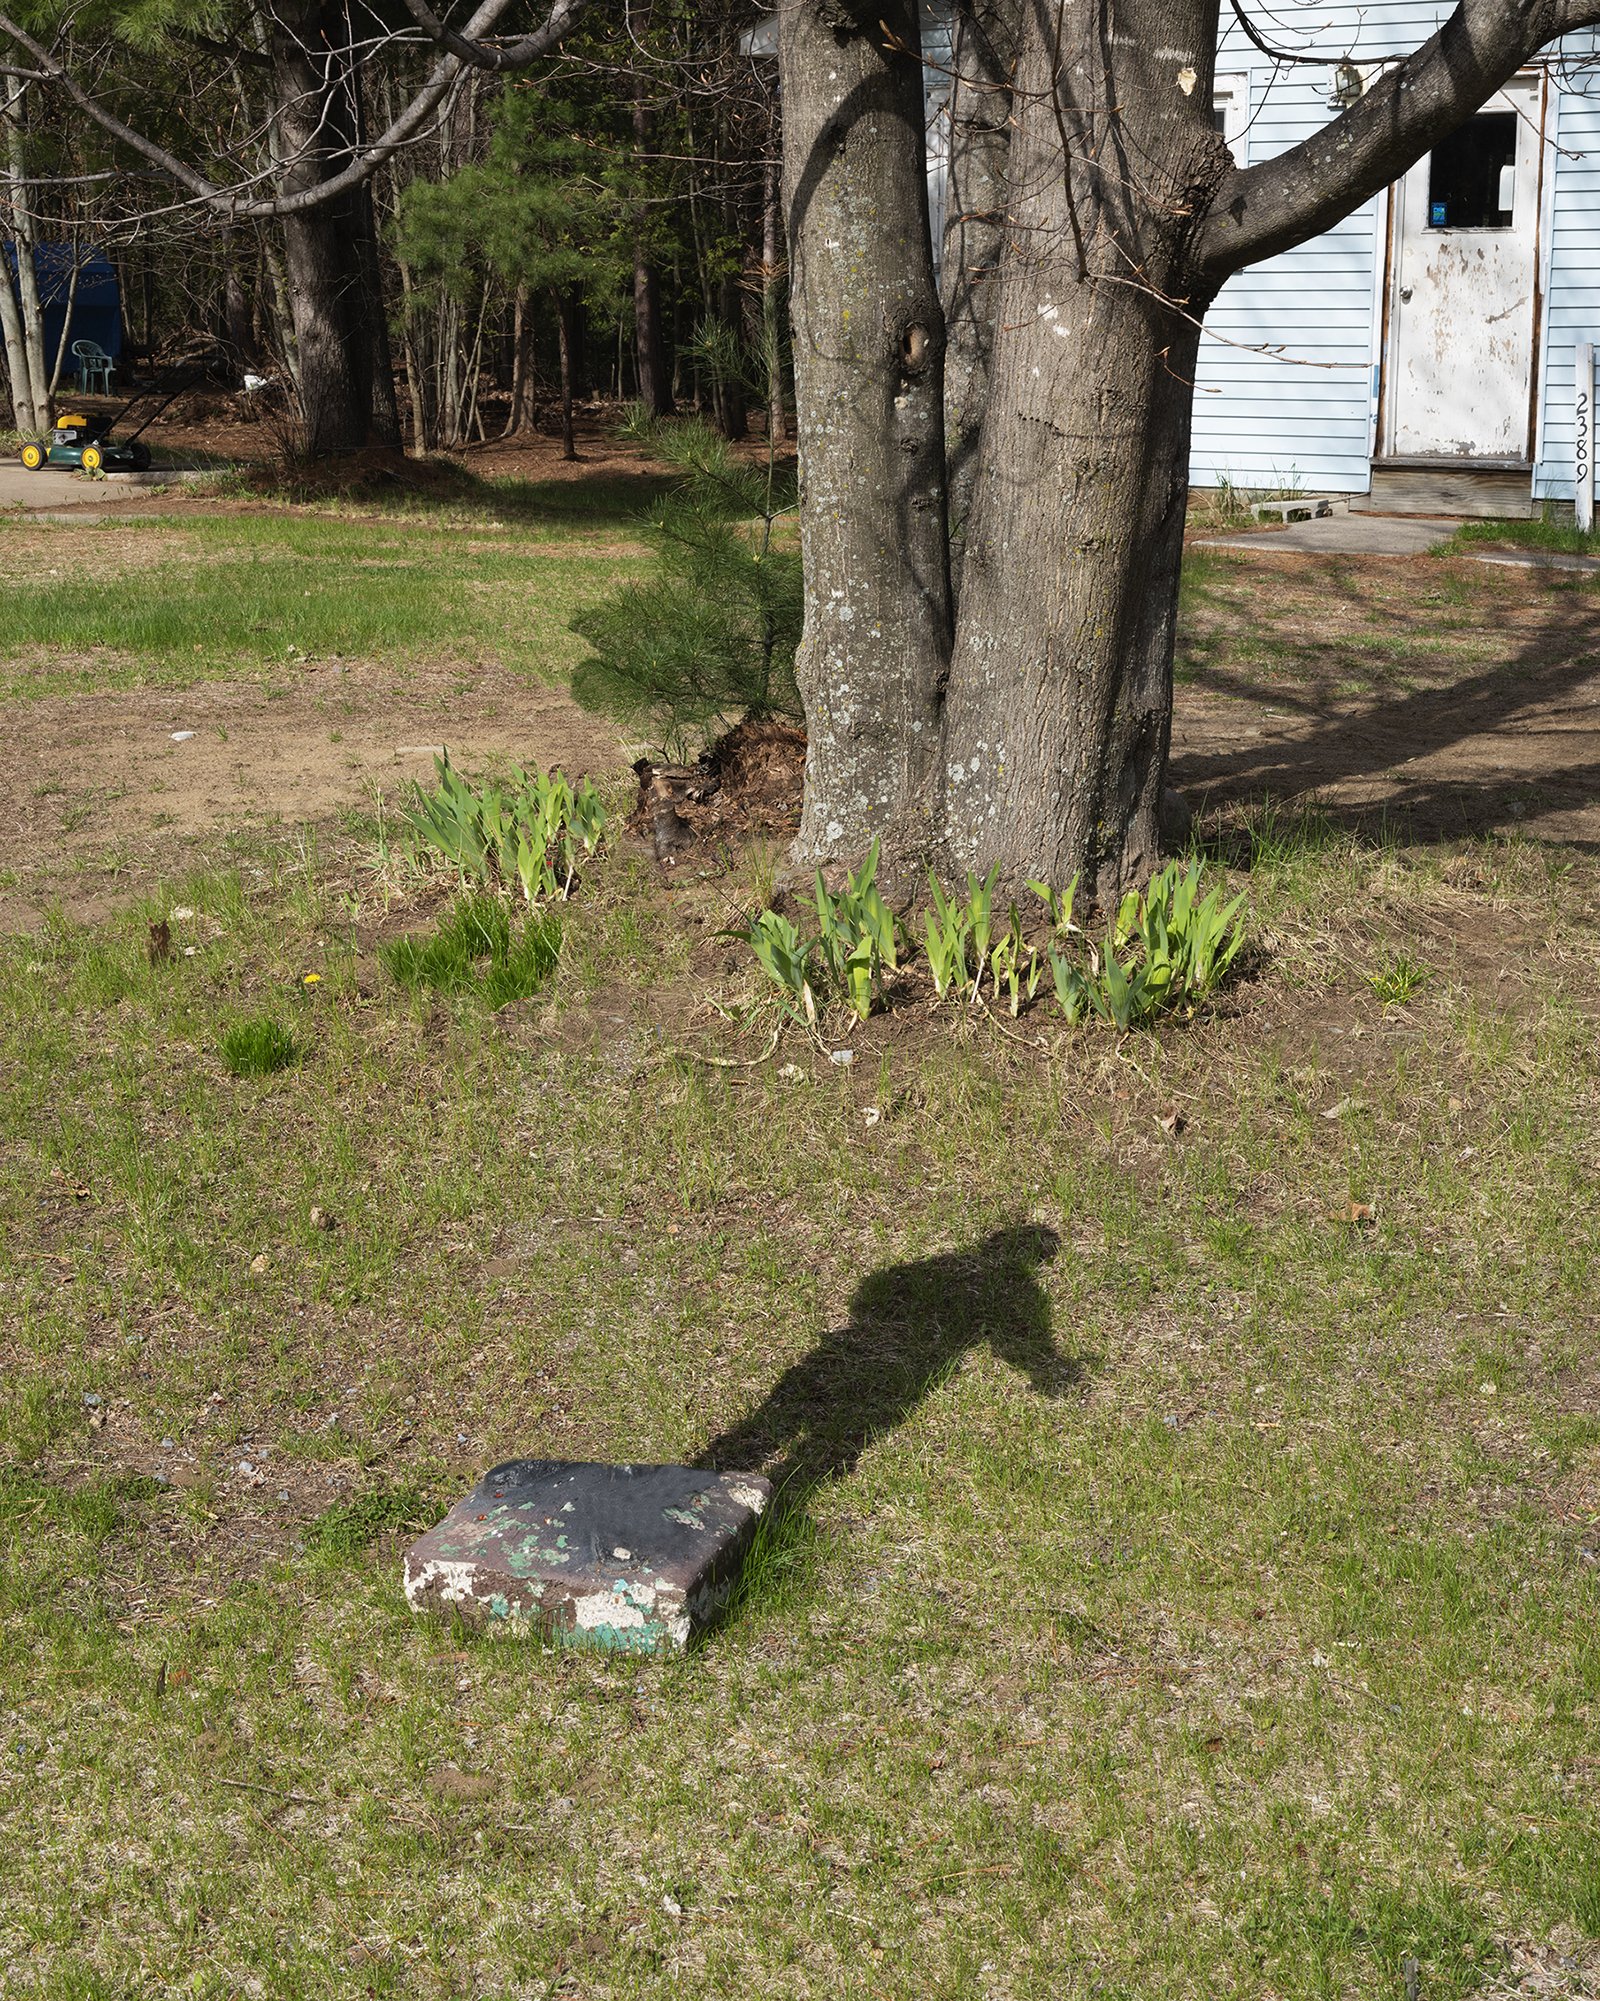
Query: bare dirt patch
x: 1453, y: 704
x: 109, y: 786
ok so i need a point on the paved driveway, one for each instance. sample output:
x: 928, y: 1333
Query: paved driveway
x: 49, y: 489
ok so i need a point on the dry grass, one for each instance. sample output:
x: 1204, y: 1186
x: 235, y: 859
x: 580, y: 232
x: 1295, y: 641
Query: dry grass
x: 1207, y: 1610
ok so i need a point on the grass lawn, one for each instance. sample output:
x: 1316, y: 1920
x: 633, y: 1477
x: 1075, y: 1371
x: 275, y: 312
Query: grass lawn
x: 1194, y: 1584
x: 254, y: 592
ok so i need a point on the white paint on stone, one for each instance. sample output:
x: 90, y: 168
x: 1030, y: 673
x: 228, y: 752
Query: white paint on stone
x: 605, y: 1609
x: 453, y: 1579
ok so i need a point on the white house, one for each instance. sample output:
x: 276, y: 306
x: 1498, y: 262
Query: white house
x: 1426, y: 346
x: 1425, y: 351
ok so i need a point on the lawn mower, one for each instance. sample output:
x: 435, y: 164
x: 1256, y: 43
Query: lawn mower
x: 86, y: 442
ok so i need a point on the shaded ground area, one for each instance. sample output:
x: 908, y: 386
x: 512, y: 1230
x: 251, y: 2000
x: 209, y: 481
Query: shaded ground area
x: 1449, y: 699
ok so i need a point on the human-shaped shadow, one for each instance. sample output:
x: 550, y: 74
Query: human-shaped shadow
x: 909, y: 1327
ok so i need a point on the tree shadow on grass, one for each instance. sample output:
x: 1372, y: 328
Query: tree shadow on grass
x: 909, y: 1327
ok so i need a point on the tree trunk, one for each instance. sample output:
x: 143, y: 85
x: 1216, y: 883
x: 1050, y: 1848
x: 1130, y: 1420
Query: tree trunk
x: 974, y: 235
x: 1058, y: 709
x: 345, y: 372
x: 728, y: 391
x: 650, y: 354
x: 238, y: 322
x: 566, y: 333
x: 772, y: 291
x: 21, y: 311
x: 868, y: 339
x: 524, y: 413
x: 655, y: 386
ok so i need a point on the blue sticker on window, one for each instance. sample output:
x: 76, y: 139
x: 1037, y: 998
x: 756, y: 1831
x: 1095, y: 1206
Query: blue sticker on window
x: 1437, y: 215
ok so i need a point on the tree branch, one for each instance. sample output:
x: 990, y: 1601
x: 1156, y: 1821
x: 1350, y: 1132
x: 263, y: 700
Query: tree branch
x: 475, y: 54
x: 405, y: 127
x: 1261, y: 210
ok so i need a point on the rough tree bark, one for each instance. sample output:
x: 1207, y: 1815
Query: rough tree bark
x: 344, y: 368
x: 1058, y: 712
x: 21, y: 310
x: 983, y: 59
x: 868, y: 340
x: 1038, y: 735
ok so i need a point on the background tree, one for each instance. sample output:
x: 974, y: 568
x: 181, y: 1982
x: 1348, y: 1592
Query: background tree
x: 542, y: 210
x: 244, y: 158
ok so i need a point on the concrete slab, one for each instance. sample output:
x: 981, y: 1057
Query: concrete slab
x: 1535, y: 559
x: 1346, y: 535
x: 49, y: 488
x: 629, y: 1558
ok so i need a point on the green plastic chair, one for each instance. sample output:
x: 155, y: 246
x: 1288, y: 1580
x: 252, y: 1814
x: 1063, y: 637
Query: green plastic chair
x: 94, y: 368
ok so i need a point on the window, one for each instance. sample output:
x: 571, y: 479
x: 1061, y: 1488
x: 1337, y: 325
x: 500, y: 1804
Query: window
x: 1472, y: 174
x: 1229, y: 103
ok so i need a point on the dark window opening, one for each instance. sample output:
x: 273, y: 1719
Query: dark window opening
x: 1471, y: 174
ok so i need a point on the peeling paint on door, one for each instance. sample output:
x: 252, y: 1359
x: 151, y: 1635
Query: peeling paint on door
x: 1463, y: 311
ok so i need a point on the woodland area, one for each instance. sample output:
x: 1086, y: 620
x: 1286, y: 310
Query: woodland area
x: 601, y: 223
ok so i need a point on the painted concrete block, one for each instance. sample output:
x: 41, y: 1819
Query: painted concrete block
x: 629, y: 1557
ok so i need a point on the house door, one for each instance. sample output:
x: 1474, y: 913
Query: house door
x: 1462, y: 317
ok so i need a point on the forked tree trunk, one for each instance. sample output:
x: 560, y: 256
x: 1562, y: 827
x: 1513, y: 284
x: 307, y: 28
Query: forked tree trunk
x: 868, y: 341
x: 1040, y: 740
x: 1044, y: 727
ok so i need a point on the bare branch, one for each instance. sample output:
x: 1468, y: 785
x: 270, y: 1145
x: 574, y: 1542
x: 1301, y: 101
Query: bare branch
x: 409, y: 124
x: 1262, y: 210
x: 473, y: 53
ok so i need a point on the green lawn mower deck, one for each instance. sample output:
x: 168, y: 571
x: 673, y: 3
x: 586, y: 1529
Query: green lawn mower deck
x: 81, y: 443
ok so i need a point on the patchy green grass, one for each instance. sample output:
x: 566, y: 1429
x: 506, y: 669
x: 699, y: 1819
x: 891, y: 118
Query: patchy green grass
x: 1204, y: 1603
x: 174, y: 601
x: 258, y: 1046
x: 1556, y: 538
x: 482, y: 948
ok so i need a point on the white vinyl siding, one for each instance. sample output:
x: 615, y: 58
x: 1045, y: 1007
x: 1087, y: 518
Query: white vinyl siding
x: 1572, y: 267
x: 1283, y: 389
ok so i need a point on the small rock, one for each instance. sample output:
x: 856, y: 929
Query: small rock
x: 843, y: 1057
x: 182, y: 736
x: 169, y: 1445
x: 92, y: 1400
x: 321, y: 1219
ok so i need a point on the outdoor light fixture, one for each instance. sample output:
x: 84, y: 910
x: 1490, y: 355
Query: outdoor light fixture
x: 1349, y: 85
